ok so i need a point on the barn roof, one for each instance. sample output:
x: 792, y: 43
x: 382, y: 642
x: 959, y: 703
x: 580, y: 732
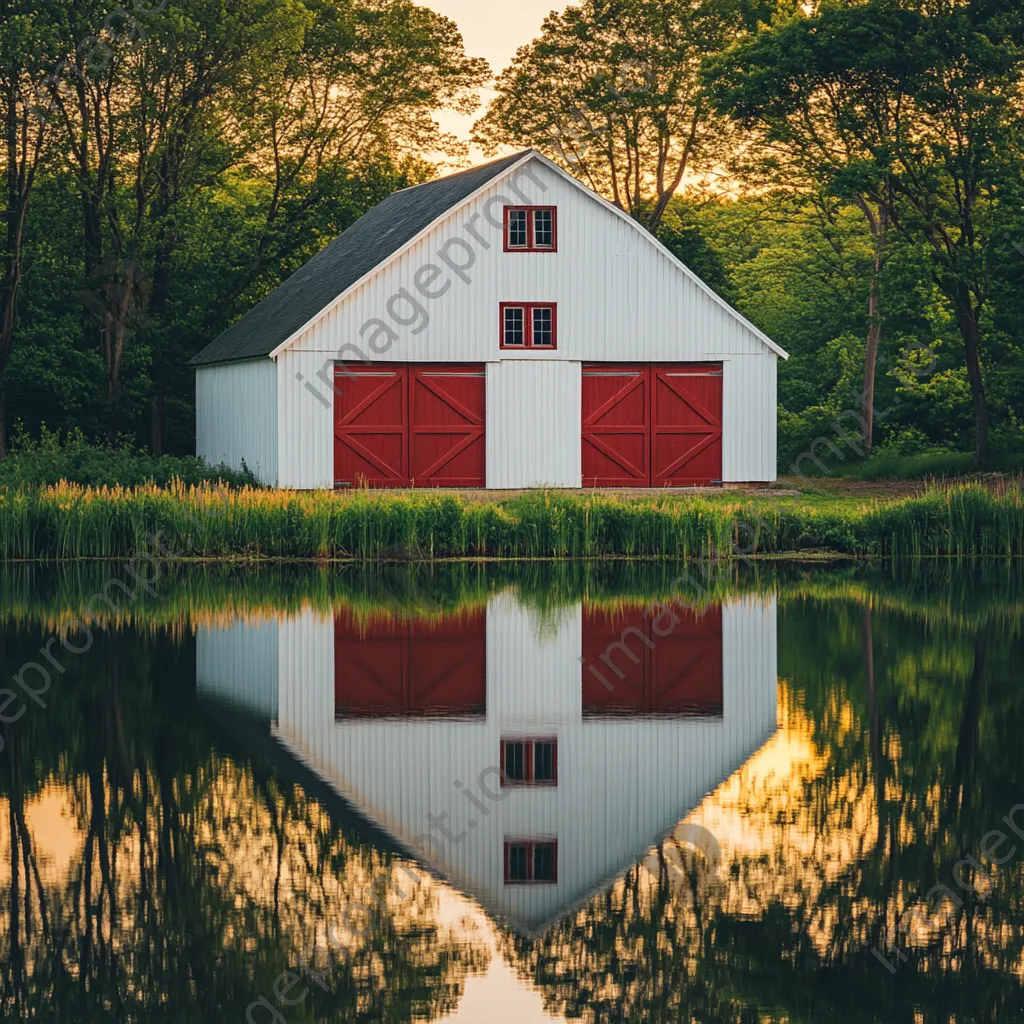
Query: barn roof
x: 377, y: 235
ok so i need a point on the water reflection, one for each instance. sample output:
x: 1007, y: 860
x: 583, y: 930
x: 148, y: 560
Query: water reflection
x: 484, y: 746
x: 250, y: 777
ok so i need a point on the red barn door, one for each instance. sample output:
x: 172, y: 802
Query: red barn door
x: 371, y: 417
x: 652, y: 426
x: 616, y: 426
x: 686, y: 439
x: 446, y: 447
x: 409, y: 426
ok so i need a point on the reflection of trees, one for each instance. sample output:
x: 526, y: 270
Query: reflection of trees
x: 198, y: 875
x: 914, y: 743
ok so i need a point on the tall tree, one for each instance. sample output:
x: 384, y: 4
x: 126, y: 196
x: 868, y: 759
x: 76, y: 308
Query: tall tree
x: 24, y: 49
x: 908, y: 109
x: 813, y: 120
x: 611, y: 90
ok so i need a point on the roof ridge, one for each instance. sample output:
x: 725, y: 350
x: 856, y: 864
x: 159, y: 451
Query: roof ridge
x: 465, y: 170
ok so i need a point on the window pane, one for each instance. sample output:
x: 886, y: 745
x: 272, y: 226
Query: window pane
x: 515, y: 762
x: 543, y: 762
x: 517, y: 862
x: 517, y: 229
x: 514, y: 321
x: 544, y: 862
x: 542, y: 325
x: 543, y: 229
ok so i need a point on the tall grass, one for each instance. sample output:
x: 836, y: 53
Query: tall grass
x: 68, y: 521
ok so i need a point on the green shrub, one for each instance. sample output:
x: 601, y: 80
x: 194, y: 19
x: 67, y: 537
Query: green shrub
x: 75, y: 459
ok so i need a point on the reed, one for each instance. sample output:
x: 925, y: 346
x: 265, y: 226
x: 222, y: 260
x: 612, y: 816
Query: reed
x: 46, y: 599
x: 69, y: 521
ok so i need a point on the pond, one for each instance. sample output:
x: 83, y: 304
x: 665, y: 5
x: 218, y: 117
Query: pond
x: 604, y: 792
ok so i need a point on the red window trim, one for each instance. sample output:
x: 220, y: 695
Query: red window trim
x: 530, y: 845
x: 530, y: 246
x: 528, y: 308
x: 528, y: 742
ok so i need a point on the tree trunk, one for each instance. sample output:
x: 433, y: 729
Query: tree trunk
x: 3, y: 422
x: 878, y: 222
x: 968, y: 317
x: 156, y: 423
x: 870, y: 363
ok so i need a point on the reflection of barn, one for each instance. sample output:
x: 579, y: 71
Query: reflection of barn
x: 412, y: 721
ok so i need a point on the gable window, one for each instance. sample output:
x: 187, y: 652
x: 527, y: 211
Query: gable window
x: 531, y: 861
x: 528, y: 325
x: 529, y: 762
x: 531, y: 229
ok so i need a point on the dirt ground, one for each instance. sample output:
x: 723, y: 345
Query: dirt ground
x: 784, y: 488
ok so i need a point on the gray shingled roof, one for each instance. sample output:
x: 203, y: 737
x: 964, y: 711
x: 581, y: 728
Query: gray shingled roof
x: 354, y: 253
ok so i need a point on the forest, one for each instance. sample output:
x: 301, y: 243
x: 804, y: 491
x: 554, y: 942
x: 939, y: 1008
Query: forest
x: 847, y: 174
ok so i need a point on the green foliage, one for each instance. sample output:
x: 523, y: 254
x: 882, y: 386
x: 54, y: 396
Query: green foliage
x: 211, y: 149
x: 68, y: 521
x: 73, y: 458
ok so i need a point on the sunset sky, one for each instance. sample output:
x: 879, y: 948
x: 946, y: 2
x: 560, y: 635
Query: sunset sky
x: 492, y: 31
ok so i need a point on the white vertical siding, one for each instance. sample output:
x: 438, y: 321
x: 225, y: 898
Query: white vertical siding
x: 236, y: 416
x: 622, y: 782
x: 306, y: 444
x: 749, y: 419
x: 619, y: 297
x: 530, y: 655
x: 240, y: 665
x: 533, y: 424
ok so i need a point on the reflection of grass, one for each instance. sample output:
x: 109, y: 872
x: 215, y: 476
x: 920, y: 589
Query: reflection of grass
x: 938, y: 592
x: 66, y: 521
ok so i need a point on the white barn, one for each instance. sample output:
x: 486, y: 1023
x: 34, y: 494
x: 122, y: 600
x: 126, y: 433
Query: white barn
x: 458, y: 700
x: 501, y: 327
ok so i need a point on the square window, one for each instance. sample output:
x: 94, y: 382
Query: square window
x: 531, y: 229
x: 531, y: 861
x: 528, y: 762
x: 529, y: 325
x: 544, y: 761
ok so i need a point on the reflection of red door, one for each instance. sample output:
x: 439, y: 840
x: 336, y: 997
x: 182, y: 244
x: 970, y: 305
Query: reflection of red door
x: 679, y: 673
x: 409, y: 426
x: 385, y: 667
x: 654, y: 426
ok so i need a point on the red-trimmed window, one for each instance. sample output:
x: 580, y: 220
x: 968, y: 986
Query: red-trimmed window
x: 531, y: 861
x: 529, y: 325
x: 531, y: 229
x: 529, y: 762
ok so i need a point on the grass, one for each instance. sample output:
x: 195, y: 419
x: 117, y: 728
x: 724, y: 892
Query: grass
x: 937, y: 462
x: 69, y: 521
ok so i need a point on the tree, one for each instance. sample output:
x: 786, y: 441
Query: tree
x: 23, y: 55
x: 813, y: 119
x: 906, y: 108
x: 611, y: 90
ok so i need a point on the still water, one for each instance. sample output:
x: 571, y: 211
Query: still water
x: 500, y: 794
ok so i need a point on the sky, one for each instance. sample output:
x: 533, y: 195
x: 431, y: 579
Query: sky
x: 493, y: 31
